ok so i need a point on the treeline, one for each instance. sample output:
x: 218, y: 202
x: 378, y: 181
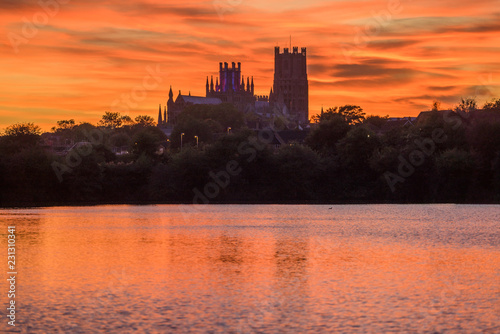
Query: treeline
x: 447, y: 156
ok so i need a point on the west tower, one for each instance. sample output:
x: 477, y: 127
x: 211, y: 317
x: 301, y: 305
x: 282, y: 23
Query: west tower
x: 290, y: 86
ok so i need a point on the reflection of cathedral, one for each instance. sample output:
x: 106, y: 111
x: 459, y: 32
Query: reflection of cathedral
x: 289, y: 94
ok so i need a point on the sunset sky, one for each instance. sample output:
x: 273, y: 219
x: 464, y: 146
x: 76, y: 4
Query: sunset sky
x: 390, y: 57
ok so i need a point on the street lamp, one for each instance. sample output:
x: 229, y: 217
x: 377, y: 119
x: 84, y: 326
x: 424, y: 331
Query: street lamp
x: 196, y: 141
x: 228, y: 129
x: 182, y: 134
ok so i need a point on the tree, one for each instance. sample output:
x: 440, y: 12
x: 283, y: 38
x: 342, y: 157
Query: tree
x: 356, y: 149
x: 23, y: 129
x: 466, y: 105
x: 88, y: 132
x: 119, y: 139
x: 126, y: 120
x: 436, y: 105
x: 455, y: 168
x: 19, y: 136
x: 377, y: 121
x: 328, y: 132
x: 327, y: 115
x: 485, y: 140
x: 297, y: 172
x: 492, y: 105
x: 190, y: 127
x: 352, y: 114
x: 186, y: 171
x: 147, y: 140
x: 113, y: 120
x: 145, y: 120
x: 64, y: 125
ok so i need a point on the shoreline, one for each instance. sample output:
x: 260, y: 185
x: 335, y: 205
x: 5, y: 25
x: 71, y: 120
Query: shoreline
x: 146, y: 203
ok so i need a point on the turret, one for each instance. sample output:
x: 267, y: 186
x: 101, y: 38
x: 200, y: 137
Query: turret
x: 170, y: 94
x: 248, y: 84
x: 207, y: 88
x: 212, y: 84
x: 242, y: 83
x: 164, y: 114
x: 160, y: 122
x: 252, y: 87
x: 170, y: 106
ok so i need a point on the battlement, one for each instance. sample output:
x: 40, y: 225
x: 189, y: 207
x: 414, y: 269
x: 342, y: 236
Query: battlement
x: 286, y: 51
x: 263, y: 98
x: 290, y: 85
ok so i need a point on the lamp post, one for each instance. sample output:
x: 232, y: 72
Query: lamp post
x: 228, y: 130
x: 196, y: 141
x: 182, y: 134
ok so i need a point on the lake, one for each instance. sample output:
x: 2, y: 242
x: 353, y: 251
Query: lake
x: 255, y: 268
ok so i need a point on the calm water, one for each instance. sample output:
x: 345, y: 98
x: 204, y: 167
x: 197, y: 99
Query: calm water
x: 256, y: 268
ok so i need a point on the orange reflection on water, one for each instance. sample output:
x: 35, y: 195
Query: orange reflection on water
x: 257, y: 268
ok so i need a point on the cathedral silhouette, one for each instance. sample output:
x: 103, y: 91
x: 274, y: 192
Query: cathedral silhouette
x: 289, y: 94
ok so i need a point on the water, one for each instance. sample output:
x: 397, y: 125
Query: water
x: 255, y: 268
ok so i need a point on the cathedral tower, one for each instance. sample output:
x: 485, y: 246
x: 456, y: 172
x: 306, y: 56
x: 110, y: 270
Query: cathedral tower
x: 290, y: 82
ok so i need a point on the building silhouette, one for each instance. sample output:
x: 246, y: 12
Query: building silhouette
x: 173, y: 108
x: 230, y: 87
x: 289, y: 94
x: 290, y: 86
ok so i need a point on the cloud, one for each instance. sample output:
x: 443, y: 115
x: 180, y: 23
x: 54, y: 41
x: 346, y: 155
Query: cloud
x: 14, y: 5
x: 442, y: 88
x: 391, y: 44
x: 376, y: 68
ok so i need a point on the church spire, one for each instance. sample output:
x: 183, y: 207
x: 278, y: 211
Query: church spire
x: 212, y: 84
x: 252, y: 87
x: 160, y: 122
x: 207, y: 88
x: 170, y: 94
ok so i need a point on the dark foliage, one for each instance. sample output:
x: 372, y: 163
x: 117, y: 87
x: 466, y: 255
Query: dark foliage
x: 442, y: 158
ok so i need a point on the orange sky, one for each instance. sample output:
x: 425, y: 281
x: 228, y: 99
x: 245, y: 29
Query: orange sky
x: 390, y: 57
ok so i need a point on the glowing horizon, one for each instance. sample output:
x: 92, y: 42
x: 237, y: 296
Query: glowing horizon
x: 390, y: 57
